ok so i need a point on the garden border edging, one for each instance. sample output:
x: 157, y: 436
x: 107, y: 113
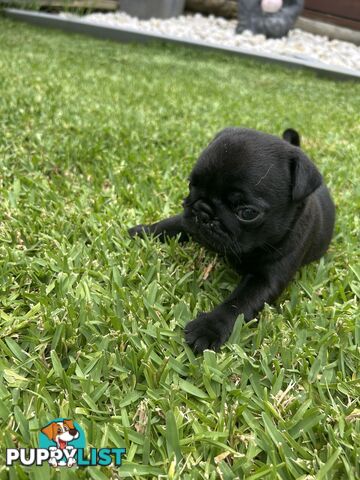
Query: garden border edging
x: 130, y: 35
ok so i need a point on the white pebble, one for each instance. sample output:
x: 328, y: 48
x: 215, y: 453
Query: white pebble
x: 219, y: 31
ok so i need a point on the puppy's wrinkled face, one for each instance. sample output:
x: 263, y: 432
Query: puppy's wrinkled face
x: 240, y: 195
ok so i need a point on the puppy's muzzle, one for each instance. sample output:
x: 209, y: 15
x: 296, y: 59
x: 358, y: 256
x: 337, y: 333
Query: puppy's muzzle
x: 203, y: 212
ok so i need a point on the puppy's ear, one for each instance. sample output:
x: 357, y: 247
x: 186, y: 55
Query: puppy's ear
x: 305, y: 177
x: 292, y: 136
x: 49, y: 431
x: 69, y: 423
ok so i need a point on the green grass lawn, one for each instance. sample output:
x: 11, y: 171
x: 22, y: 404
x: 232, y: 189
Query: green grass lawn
x: 96, y: 137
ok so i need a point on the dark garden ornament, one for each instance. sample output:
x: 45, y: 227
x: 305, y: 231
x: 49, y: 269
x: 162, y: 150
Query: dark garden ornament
x: 273, y: 18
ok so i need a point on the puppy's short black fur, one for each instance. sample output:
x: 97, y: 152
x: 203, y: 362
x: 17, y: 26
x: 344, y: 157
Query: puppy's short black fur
x: 259, y: 201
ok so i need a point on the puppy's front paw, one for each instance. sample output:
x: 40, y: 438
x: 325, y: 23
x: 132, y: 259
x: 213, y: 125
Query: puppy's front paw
x: 208, y: 331
x: 53, y: 462
x: 71, y: 462
x: 138, y: 230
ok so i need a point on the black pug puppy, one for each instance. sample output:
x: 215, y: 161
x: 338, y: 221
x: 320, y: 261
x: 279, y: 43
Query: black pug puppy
x: 259, y: 201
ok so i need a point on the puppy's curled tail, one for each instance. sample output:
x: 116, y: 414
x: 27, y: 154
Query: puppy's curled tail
x: 292, y: 136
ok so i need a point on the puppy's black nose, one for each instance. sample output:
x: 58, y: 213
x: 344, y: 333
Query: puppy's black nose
x: 203, y: 211
x: 204, y: 217
x: 73, y: 432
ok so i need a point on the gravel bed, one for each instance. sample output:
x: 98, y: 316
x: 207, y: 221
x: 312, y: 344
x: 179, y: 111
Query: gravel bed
x: 220, y: 31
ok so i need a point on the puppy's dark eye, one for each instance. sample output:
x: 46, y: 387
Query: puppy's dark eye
x: 248, y: 214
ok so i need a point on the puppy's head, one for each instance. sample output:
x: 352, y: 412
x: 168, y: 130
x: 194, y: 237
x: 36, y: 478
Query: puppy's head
x: 61, y: 432
x: 246, y: 189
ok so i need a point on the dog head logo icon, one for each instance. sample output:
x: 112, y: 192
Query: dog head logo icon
x: 62, y: 437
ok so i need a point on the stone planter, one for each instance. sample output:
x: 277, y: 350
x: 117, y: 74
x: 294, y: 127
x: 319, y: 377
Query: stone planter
x: 146, y: 9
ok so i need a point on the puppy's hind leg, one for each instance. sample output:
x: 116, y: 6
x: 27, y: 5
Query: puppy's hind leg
x: 170, y: 227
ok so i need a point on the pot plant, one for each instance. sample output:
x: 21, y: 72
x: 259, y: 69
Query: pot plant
x: 146, y: 9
